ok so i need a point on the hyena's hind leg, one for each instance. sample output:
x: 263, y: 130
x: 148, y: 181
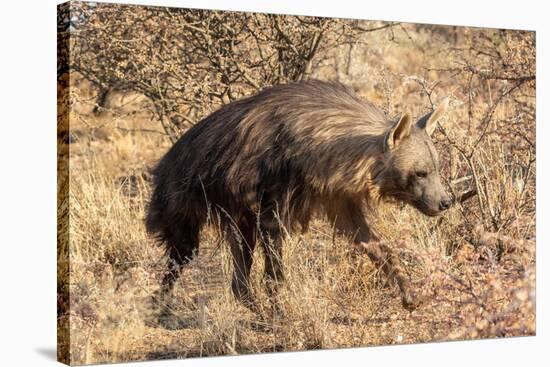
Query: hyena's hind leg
x: 242, y: 240
x: 272, y: 243
x: 349, y: 220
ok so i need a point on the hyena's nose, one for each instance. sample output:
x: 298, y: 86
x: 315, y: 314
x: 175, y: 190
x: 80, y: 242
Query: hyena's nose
x: 445, y: 204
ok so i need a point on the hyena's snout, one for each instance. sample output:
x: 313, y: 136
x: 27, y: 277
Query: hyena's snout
x: 437, y: 197
x: 434, y: 201
x: 445, y: 202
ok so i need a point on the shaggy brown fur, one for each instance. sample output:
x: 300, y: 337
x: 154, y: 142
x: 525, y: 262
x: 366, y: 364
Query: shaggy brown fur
x: 272, y: 160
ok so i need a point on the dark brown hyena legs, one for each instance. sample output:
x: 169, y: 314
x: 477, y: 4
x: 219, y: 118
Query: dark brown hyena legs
x: 243, y: 241
x: 349, y: 220
x: 181, y: 243
x: 273, y: 251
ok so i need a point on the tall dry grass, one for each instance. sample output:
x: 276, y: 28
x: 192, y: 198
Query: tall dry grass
x: 475, y: 265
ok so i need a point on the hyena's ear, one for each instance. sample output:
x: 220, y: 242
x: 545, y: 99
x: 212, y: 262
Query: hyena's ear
x: 399, y: 131
x: 429, y: 121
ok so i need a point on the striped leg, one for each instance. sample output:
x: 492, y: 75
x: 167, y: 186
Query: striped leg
x: 349, y: 220
x: 243, y: 242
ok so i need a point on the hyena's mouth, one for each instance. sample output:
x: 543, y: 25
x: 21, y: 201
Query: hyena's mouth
x: 418, y: 204
x: 426, y: 209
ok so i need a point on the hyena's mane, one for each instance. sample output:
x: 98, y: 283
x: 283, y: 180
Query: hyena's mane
x: 292, y: 148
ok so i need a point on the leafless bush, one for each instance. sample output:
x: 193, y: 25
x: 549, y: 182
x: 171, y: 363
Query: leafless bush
x: 493, y: 153
x: 188, y: 62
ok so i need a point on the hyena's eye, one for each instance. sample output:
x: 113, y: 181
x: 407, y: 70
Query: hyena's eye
x: 421, y: 174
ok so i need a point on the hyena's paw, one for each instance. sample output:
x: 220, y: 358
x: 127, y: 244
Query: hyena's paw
x: 245, y: 298
x: 412, y: 300
x: 155, y: 300
x: 158, y: 311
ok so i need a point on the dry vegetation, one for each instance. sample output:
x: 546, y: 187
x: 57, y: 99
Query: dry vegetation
x: 475, y: 265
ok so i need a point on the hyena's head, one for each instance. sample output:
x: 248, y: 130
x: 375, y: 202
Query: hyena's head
x: 411, y: 172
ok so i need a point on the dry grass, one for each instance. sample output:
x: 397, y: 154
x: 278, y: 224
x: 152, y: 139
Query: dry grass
x: 478, y: 282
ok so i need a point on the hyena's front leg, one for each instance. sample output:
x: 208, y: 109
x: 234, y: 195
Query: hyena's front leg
x: 384, y: 257
x: 349, y: 220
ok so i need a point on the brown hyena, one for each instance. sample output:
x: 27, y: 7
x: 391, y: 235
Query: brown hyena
x: 272, y: 160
